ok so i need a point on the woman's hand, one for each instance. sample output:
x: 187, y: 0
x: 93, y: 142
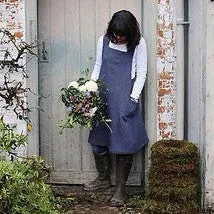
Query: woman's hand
x: 131, y: 107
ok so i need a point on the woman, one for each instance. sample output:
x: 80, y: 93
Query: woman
x: 121, y: 63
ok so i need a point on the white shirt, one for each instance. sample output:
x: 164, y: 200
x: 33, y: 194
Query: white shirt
x: 139, y: 64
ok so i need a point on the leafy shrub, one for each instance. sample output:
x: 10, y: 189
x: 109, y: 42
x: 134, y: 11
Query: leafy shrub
x: 8, y: 139
x: 22, y: 188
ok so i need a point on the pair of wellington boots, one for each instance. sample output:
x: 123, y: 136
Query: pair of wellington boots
x: 103, y: 182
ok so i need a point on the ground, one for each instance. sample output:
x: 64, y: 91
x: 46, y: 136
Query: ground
x: 80, y: 202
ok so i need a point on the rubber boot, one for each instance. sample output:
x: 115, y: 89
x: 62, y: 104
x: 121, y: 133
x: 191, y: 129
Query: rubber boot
x: 103, y: 181
x: 123, y: 167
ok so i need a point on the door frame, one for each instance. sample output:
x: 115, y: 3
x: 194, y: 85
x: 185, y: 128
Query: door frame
x: 31, y: 32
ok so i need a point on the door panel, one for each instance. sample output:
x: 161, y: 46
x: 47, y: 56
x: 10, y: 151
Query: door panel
x: 68, y: 32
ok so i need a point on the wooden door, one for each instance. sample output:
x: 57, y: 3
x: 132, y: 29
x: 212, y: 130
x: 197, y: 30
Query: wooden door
x: 68, y: 32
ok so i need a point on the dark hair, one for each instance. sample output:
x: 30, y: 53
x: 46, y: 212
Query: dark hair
x: 124, y: 23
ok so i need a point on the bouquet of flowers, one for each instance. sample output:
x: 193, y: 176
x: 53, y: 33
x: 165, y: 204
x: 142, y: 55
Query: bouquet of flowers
x: 84, y: 103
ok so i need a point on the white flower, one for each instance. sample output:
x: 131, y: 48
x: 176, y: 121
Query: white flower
x: 82, y: 88
x: 91, y: 85
x: 92, y: 111
x: 73, y: 84
x: 86, y: 114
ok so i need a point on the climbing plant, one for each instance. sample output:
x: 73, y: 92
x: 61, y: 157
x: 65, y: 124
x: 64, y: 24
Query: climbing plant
x: 13, y: 73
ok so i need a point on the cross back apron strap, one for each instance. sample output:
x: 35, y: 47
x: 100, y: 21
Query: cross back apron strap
x: 128, y: 130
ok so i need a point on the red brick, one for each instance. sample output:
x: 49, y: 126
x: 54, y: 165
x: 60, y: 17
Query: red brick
x: 161, y: 109
x: 19, y: 34
x: 163, y: 92
x: 166, y: 75
x: 166, y: 135
x: 162, y: 126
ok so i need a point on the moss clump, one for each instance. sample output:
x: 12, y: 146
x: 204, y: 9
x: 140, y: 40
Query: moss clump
x: 173, y: 182
x: 176, y: 194
x: 161, y: 207
x: 182, y: 151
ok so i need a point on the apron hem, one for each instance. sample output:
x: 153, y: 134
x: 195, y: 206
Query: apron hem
x: 131, y: 152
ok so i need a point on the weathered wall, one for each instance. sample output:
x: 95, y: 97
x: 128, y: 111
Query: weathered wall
x: 209, y: 101
x: 196, y: 81
x: 12, y: 18
x: 166, y: 97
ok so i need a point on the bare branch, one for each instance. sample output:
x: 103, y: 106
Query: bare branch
x: 12, y: 91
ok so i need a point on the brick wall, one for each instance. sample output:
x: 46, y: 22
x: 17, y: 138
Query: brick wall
x: 166, y: 114
x: 12, y: 18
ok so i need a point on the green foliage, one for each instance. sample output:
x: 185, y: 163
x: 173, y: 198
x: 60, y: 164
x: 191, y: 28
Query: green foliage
x: 22, y: 182
x: 64, y: 204
x: 8, y: 139
x: 84, y: 101
x: 135, y: 201
x: 22, y: 188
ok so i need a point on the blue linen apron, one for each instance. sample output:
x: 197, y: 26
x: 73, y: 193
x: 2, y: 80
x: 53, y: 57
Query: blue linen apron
x: 128, y: 130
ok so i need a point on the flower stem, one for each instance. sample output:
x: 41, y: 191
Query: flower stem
x: 103, y: 119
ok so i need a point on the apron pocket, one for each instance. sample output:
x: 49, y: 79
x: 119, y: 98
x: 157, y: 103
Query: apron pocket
x: 131, y: 106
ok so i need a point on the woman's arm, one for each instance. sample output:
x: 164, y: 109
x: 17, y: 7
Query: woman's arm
x: 141, y: 69
x: 97, y: 66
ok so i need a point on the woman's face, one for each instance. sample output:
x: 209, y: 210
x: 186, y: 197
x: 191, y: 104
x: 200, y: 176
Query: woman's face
x: 119, y: 39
